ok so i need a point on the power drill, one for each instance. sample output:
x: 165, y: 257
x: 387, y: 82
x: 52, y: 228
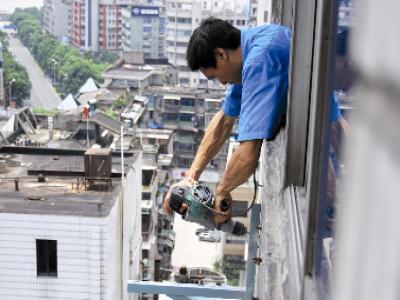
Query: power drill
x: 200, y: 202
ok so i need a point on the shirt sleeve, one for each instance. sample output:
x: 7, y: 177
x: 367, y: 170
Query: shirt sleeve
x: 232, y: 103
x: 263, y: 98
x: 335, y: 109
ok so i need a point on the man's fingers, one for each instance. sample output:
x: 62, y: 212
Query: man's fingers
x: 167, y: 208
x: 183, y: 208
x: 222, y: 217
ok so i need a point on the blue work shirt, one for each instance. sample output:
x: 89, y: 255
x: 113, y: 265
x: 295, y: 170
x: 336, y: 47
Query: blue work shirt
x: 261, y: 99
x: 335, y: 109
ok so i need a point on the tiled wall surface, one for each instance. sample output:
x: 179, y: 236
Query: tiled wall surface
x: 89, y: 251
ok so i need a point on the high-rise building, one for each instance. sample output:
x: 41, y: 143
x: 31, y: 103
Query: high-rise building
x: 126, y: 25
x: 56, y: 17
x: 143, y: 28
x: 96, y: 24
x: 183, y: 16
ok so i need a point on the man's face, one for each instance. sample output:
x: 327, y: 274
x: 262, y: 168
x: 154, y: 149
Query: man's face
x: 228, y: 69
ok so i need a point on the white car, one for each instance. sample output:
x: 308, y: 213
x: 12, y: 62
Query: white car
x: 209, y: 236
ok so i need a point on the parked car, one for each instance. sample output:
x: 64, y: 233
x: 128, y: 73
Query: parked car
x: 209, y: 236
x: 200, y: 230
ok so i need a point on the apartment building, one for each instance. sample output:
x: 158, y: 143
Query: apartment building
x: 136, y: 73
x: 143, y: 28
x: 119, y: 25
x: 70, y: 217
x: 57, y: 17
x: 183, y: 16
x: 158, y: 237
x: 187, y: 112
x: 96, y: 24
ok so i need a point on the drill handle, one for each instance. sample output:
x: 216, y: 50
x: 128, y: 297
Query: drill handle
x: 176, y: 201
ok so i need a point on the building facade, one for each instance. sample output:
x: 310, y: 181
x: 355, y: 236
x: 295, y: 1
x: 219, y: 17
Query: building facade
x: 263, y: 12
x: 187, y: 112
x: 57, y: 17
x: 96, y: 24
x: 143, y: 29
x: 68, y: 237
x: 183, y: 16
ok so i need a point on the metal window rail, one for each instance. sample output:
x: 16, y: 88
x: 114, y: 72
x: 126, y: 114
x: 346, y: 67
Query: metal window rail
x: 186, y: 291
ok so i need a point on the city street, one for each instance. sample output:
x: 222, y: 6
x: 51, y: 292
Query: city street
x: 189, y: 251
x: 42, y: 93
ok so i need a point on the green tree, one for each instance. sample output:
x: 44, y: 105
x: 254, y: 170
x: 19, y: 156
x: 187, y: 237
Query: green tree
x: 121, y: 102
x: 16, y: 77
x: 70, y: 67
x: 32, y: 11
x: 107, y: 57
x: 27, y: 27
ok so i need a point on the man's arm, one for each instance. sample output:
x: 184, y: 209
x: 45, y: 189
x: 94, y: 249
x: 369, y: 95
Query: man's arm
x: 240, y: 167
x: 214, y: 138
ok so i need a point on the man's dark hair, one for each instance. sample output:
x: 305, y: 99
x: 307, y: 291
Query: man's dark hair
x: 211, y: 34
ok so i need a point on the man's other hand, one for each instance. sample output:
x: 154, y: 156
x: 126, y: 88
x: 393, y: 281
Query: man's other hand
x: 186, y: 182
x: 223, y: 216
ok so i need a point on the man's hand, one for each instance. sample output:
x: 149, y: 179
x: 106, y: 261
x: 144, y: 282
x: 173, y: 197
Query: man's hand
x: 223, y: 216
x: 186, y: 182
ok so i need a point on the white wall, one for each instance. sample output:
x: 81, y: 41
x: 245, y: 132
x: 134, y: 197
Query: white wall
x: 82, y: 257
x: 264, y: 8
x: 88, y: 251
x: 61, y: 15
x: 132, y: 222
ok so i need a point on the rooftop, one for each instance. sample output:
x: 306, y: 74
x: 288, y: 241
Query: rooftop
x: 63, y: 191
x: 154, y: 133
x: 177, y: 90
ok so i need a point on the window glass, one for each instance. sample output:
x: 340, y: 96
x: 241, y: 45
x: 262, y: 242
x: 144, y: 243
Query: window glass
x: 342, y: 96
x: 46, y: 257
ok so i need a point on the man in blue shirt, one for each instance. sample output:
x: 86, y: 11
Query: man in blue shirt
x: 256, y: 63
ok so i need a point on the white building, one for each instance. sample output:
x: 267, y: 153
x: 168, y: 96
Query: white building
x: 264, y: 12
x: 183, y: 16
x: 56, y: 17
x: 64, y: 234
x: 143, y: 28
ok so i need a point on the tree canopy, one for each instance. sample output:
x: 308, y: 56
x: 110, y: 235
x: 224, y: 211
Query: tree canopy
x: 15, y: 76
x: 67, y: 65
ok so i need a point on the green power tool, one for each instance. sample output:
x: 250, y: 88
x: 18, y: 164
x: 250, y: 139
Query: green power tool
x: 200, y: 202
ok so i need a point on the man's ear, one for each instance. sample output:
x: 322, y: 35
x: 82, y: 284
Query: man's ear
x: 220, y: 53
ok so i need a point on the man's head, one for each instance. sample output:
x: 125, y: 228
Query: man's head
x: 214, y: 49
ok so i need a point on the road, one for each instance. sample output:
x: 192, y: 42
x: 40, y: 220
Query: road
x: 42, y: 93
x: 189, y: 251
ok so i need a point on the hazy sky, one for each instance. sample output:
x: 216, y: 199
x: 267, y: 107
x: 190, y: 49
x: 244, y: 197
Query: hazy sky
x: 10, y: 5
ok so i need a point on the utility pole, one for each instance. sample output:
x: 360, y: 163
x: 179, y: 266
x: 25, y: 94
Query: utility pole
x: 54, y: 70
x: 9, y: 99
